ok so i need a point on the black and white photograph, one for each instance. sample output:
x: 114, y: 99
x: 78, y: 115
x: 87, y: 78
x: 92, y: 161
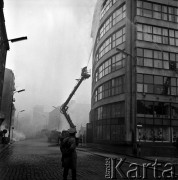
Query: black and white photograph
x: 88, y: 89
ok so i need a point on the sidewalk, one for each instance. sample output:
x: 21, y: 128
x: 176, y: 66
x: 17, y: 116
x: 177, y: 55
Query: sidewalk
x: 3, y: 147
x: 162, y: 153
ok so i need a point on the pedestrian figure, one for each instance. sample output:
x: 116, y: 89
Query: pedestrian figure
x: 69, y: 155
x: 63, y: 146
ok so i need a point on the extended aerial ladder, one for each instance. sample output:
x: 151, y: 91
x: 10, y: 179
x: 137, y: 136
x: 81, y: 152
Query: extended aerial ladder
x: 63, y: 109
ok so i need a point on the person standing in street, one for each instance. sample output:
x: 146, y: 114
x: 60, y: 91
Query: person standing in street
x: 69, y: 155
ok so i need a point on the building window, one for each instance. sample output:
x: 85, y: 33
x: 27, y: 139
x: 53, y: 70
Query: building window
x: 156, y: 109
x: 110, y: 65
x: 114, y: 40
x: 105, y: 28
x: 110, y: 124
x: 157, y: 11
x: 109, y: 88
x: 157, y: 34
x: 106, y: 6
x: 153, y: 84
x: 109, y: 111
x: 106, y: 46
x: 118, y: 62
x: 119, y: 14
x: 118, y: 37
x: 174, y: 111
x: 157, y: 59
x: 157, y: 119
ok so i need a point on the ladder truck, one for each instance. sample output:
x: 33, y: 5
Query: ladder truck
x: 64, y: 108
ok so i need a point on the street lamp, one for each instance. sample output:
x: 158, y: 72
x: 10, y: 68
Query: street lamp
x: 19, y: 91
x: 13, y: 40
x: 11, y: 110
x: 17, y: 39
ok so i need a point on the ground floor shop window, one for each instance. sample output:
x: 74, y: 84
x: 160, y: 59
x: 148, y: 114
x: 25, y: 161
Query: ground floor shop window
x: 174, y: 134
x: 154, y: 134
x: 166, y: 134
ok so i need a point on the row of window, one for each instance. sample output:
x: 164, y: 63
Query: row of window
x: 157, y: 59
x: 157, y: 109
x: 114, y: 40
x: 157, y: 34
x: 149, y: 133
x: 104, y: 48
x: 157, y: 11
x: 106, y: 6
x: 105, y: 28
x: 153, y: 84
x: 149, y: 120
x: 109, y: 88
x: 109, y: 111
x: 112, y: 64
x: 117, y: 16
x: 109, y: 132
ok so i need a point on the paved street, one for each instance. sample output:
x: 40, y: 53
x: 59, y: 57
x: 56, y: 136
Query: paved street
x: 31, y: 159
x: 40, y: 160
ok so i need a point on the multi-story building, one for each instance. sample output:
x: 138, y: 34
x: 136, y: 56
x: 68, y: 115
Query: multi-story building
x: 135, y: 71
x: 54, y: 122
x: 4, y: 46
x: 7, y: 106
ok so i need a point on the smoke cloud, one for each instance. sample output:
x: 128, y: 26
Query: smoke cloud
x: 58, y: 46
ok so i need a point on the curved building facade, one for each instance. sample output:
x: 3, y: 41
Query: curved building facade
x: 134, y: 77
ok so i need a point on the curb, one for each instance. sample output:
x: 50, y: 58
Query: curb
x: 90, y: 149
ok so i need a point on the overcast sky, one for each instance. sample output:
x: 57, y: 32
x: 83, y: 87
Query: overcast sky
x: 58, y: 46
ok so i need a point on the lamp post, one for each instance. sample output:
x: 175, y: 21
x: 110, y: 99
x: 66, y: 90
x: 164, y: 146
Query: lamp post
x: 10, y: 122
x: 1, y: 44
x: 139, y: 127
x: 132, y: 96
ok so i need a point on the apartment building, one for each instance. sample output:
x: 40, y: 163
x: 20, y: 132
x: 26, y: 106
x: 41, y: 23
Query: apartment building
x: 135, y: 72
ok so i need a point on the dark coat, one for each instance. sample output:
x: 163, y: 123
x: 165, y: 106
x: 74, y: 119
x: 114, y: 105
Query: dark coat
x: 68, y: 149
